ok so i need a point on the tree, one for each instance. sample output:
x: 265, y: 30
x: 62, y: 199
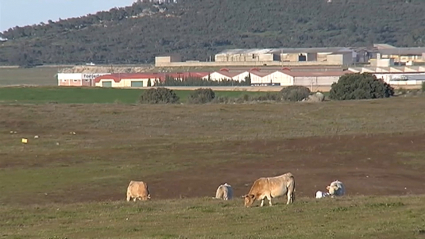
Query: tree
x: 360, y: 86
x: 159, y: 96
x: 295, y: 93
x: 201, y: 96
x: 248, y: 80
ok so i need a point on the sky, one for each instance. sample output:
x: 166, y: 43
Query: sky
x: 27, y: 12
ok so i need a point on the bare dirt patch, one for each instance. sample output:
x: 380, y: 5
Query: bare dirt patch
x: 368, y: 165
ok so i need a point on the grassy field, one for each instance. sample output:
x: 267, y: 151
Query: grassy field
x: 42, y: 76
x: 88, y: 95
x: 361, y: 217
x: 70, y: 182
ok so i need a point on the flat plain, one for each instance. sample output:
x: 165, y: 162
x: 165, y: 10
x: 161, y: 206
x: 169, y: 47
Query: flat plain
x: 70, y: 181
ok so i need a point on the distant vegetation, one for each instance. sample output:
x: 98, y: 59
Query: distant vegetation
x: 360, y: 86
x: 159, y: 96
x: 196, y: 81
x: 197, y: 29
x: 89, y: 95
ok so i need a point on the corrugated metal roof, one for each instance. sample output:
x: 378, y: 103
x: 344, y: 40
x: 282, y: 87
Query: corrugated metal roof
x: 117, y: 77
x: 285, y: 50
x: 403, y: 51
x: 314, y: 73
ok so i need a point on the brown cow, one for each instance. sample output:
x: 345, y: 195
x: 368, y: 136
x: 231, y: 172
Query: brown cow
x: 271, y: 187
x: 138, y: 190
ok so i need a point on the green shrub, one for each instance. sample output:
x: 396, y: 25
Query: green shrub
x: 360, y: 86
x: 295, y: 93
x: 423, y: 86
x: 159, y: 96
x: 201, y: 96
x: 222, y: 100
x: 269, y: 96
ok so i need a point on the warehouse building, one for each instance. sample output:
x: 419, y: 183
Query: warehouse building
x: 77, y: 79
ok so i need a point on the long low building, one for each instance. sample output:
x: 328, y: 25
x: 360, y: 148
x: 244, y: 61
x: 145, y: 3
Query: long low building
x: 77, y: 79
x: 257, y: 77
x: 305, y: 78
x: 142, y: 79
x: 284, y: 77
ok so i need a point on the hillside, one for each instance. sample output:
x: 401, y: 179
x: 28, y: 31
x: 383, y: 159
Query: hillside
x: 198, y: 29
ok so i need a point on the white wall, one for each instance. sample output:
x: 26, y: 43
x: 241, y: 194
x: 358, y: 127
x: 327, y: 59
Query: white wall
x: 279, y: 77
x: 241, y: 77
x: 218, y: 76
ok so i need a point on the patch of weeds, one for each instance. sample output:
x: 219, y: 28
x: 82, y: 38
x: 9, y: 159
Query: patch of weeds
x: 225, y: 205
x: 133, y: 229
x: 165, y: 236
x: 384, y: 205
x: 340, y: 209
x: 202, y: 209
x: 145, y: 209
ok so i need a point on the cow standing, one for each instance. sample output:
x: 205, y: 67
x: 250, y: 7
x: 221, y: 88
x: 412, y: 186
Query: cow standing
x: 138, y: 190
x: 224, y: 192
x: 271, y: 187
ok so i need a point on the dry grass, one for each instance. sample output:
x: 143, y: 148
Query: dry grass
x: 359, y: 217
x: 28, y: 76
x: 113, y: 143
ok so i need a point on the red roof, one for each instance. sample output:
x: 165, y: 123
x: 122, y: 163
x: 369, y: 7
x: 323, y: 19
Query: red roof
x: 261, y: 74
x: 117, y: 77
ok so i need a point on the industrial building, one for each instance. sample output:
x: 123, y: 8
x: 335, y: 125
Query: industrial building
x: 328, y: 55
x: 77, y: 79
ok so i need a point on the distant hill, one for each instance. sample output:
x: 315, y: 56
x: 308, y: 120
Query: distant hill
x: 198, y: 29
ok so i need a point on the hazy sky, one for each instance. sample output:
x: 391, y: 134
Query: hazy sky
x: 27, y: 12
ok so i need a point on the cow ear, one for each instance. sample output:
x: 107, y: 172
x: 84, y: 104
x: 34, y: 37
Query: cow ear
x: 243, y: 196
x: 252, y: 196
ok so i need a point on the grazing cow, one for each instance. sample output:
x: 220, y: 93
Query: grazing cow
x: 224, y: 192
x: 271, y: 187
x: 138, y: 190
x: 336, y: 188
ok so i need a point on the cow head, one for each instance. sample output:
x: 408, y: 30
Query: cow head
x: 249, y: 199
x: 332, y: 189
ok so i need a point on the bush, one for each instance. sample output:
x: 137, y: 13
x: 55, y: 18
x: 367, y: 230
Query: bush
x: 201, y: 96
x: 360, y: 86
x: 159, y: 96
x: 295, y: 93
x: 269, y: 96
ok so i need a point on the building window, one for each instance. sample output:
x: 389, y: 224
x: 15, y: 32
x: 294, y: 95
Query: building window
x: 137, y: 84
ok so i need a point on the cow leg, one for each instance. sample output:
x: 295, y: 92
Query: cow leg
x: 270, y: 200
x: 128, y: 198
x: 289, y: 198
x: 262, y: 202
x: 134, y: 199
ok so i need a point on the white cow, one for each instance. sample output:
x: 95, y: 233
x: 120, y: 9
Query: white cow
x: 271, y: 187
x: 320, y: 194
x: 336, y: 188
x: 224, y: 192
x: 138, y: 190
